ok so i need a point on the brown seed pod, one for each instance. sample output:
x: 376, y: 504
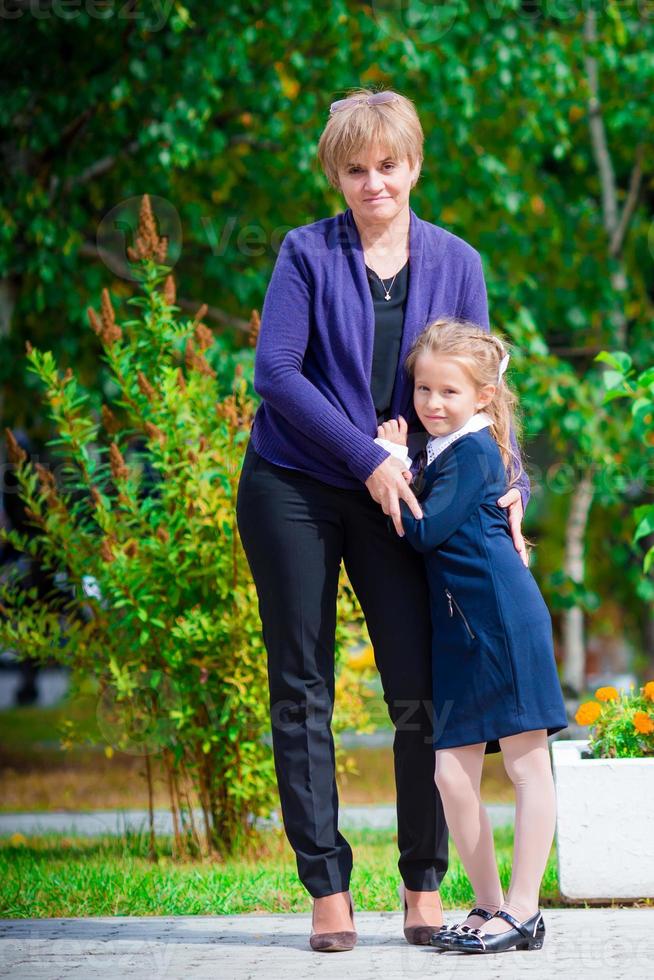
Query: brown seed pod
x: 169, y: 291
x: 16, y: 453
x: 203, y: 336
x: 195, y: 361
x: 94, y: 320
x: 111, y: 336
x: 47, y: 483
x: 189, y: 354
x: 106, y: 552
x: 204, y: 367
x: 119, y: 470
x: 228, y: 411
x: 153, y: 432
x: 255, y: 326
x: 161, y: 249
x: 107, y: 310
x: 202, y: 312
x: 145, y: 387
x: 46, y: 477
x: 131, y: 548
x: 147, y: 244
x: 109, y: 420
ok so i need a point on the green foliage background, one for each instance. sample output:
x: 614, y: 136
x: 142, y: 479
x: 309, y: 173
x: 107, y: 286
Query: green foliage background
x: 216, y: 112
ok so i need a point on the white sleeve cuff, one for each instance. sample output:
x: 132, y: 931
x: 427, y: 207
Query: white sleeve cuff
x: 400, y: 452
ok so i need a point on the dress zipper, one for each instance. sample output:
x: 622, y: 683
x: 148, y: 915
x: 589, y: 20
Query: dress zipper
x: 452, y: 601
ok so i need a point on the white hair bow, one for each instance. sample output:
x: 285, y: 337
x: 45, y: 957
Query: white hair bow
x: 504, y: 363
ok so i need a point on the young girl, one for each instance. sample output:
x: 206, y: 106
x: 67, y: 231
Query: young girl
x: 495, y: 682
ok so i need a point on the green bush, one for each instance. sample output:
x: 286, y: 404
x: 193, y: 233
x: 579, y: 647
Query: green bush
x: 139, y: 522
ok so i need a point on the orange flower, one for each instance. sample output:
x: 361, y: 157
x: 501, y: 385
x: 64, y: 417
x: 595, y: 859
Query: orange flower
x: 643, y: 723
x: 588, y: 713
x: 648, y: 690
x: 606, y: 694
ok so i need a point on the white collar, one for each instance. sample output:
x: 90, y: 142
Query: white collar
x: 436, y: 444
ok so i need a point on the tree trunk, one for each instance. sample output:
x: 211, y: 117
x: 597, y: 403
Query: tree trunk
x: 177, y: 836
x: 618, y: 315
x: 574, y: 646
x: 188, y: 787
x: 153, y: 846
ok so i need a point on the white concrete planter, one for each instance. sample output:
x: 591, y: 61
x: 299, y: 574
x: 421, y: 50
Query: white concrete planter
x: 604, y: 824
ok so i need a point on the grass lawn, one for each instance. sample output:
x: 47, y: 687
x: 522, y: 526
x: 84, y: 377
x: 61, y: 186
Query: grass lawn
x: 52, y: 876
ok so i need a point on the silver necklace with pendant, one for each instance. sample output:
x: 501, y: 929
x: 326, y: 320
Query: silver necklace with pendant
x: 387, y: 292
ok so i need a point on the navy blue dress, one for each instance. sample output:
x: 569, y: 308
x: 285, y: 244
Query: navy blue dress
x: 494, y: 672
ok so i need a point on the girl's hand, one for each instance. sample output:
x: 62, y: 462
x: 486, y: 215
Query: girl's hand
x: 387, y: 485
x: 513, y: 501
x: 395, y: 430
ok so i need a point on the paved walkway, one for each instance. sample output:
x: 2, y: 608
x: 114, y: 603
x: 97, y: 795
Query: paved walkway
x: 581, y: 944
x: 95, y: 823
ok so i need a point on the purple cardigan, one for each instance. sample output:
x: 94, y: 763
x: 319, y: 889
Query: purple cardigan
x: 314, y: 352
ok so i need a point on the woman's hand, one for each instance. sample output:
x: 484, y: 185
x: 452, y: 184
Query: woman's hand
x: 388, y: 485
x: 395, y: 430
x: 513, y: 501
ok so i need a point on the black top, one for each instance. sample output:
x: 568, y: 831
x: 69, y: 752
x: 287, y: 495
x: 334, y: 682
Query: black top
x: 389, y: 321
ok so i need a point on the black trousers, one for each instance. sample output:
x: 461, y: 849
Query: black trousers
x: 295, y: 531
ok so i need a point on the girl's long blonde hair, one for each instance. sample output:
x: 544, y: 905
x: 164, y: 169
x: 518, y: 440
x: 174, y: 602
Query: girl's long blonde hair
x: 479, y: 353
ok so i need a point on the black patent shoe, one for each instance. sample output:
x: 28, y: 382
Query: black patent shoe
x: 529, y: 934
x: 441, y: 938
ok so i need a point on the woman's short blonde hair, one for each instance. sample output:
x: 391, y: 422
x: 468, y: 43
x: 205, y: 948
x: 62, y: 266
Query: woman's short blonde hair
x: 355, y: 129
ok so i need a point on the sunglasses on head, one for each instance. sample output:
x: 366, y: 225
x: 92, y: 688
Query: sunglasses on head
x: 378, y: 98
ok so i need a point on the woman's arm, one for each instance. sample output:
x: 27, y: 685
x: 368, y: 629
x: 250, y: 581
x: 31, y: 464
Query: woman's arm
x: 475, y: 309
x: 457, y: 491
x: 278, y: 378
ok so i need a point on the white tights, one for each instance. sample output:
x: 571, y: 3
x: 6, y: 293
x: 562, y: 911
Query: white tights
x: 458, y: 778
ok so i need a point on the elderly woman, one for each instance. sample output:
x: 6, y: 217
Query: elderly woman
x: 347, y: 297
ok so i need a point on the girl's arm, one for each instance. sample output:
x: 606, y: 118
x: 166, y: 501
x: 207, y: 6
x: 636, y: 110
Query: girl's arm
x: 457, y: 491
x: 278, y: 378
x: 392, y: 436
x: 475, y: 308
x: 399, y: 452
